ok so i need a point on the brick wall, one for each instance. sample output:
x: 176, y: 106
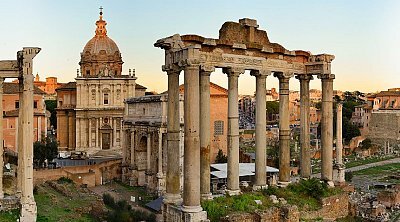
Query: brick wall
x: 92, y: 175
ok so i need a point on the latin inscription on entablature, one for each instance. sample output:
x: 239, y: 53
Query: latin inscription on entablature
x: 315, y: 69
x: 226, y: 60
x: 283, y: 66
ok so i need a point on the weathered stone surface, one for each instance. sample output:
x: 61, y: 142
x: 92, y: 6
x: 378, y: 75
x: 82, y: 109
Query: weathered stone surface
x: 333, y: 207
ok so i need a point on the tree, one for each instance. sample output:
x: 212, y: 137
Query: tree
x: 366, y: 144
x: 51, y: 106
x: 272, y: 108
x: 349, y: 130
x: 46, y: 149
x: 221, y: 158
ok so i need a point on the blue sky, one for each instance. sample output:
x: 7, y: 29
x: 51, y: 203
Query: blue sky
x: 364, y: 35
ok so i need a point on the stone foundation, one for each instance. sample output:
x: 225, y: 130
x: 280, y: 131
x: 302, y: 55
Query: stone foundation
x: 273, y: 214
x: 332, y: 207
x: 9, y: 203
x: 173, y: 213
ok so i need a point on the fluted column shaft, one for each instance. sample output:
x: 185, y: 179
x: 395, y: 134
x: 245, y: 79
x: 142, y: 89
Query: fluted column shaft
x: 191, y: 182
x: 205, y: 136
x: 173, y: 138
x: 284, y: 129
x: 261, y: 157
x: 339, y: 139
x: 233, y: 130
x: 327, y: 126
x: 305, y: 156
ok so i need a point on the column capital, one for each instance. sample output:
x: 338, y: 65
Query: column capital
x: 339, y: 107
x: 283, y: 75
x: 260, y: 73
x: 325, y: 77
x: 206, y: 69
x: 304, y: 77
x: 233, y: 71
x: 171, y: 69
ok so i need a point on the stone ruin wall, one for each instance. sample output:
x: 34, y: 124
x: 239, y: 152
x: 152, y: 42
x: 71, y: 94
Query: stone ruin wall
x: 332, y: 207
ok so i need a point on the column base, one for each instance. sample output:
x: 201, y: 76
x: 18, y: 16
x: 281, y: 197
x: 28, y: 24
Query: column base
x: 28, y: 212
x: 339, y: 174
x: 184, y: 213
x: 259, y: 187
x: 191, y: 209
x: 206, y: 196
x: 172, y: 199
x: 233, y: 192
x: 283, y: 184
x: 330, y: 183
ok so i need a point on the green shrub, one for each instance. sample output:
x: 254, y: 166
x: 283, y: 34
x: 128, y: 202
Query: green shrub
x: 348, y: 176
x: 65, y: 180
x: 108, y: 200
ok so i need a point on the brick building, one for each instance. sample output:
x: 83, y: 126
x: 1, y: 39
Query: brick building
x: 11, y: 112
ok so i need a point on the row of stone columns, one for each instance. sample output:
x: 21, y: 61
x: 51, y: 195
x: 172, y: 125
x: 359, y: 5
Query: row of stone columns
x: 197, y: 128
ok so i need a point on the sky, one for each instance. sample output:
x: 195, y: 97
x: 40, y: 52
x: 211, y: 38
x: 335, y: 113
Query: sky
x: 364, y: 35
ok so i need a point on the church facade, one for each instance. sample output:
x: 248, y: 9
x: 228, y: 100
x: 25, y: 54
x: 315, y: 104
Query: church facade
x: 101, y: 88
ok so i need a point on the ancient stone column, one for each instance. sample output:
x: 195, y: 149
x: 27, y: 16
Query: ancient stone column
x: 148, y: 152
x: 233, y: 130
x: 327, y: 127
x: 132, y: 148
x: 20, y: 139
x: 28, y: 209
x: 261, y: 117
x: 339, y: 140
x: 173, y: 176
x: 205, y: 136
x: 284, y: 129
x: 1, y: 139
x: 191, y: 175
x: 305, y: 155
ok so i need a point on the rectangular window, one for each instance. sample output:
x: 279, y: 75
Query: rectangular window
x: 218, y: 128
x: 35, y: 104
x: 17, y: 104
x: 105, y: 99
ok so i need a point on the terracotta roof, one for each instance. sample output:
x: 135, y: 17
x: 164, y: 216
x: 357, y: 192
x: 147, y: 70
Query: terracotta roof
x: 388, y: 93
x: 67, y: 86
x: 138, y: 86
x: 13, y: 88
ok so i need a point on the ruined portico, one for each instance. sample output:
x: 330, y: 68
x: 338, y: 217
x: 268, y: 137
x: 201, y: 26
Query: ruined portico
x: 240, y: 47
x: 22, y: 69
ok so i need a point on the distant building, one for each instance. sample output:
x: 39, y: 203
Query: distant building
x: 145, y: 125
x: 90, y: 110
x: 384, y: 122
x: 48, y: 86
x: 11, y: 108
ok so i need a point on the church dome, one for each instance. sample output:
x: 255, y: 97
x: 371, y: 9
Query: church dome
x: 101, y: 43
x: 101, y: 55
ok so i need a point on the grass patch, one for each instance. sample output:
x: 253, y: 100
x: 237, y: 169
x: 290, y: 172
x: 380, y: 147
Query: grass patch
x: 305, y: 195
x: 140, y: 191
x: 53, y: 206
x: 360, y: 162
x: 222, y: 206
x: 388, y: 169
x: 9, y: 216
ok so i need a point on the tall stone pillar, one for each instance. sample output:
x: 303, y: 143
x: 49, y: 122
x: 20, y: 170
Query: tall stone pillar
x: 339, y: 168
x: 159, y: 174
x: 284, y: 129
x: 90, y: 132
x: 1, y: 139
x: 28, y: 205
x: 205, y: 136
x: 148, y: 152
x: 233, y: 130
x: 132, y: 148
x: 305, y: 155
x: 20, y: 139
x: 173, y: 194
x: 191, y: 161
x: 261, y: 118
x: 327, y: 127
x: 123, y: 145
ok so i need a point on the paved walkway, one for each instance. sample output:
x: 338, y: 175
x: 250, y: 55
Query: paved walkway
x: 369, y: 165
